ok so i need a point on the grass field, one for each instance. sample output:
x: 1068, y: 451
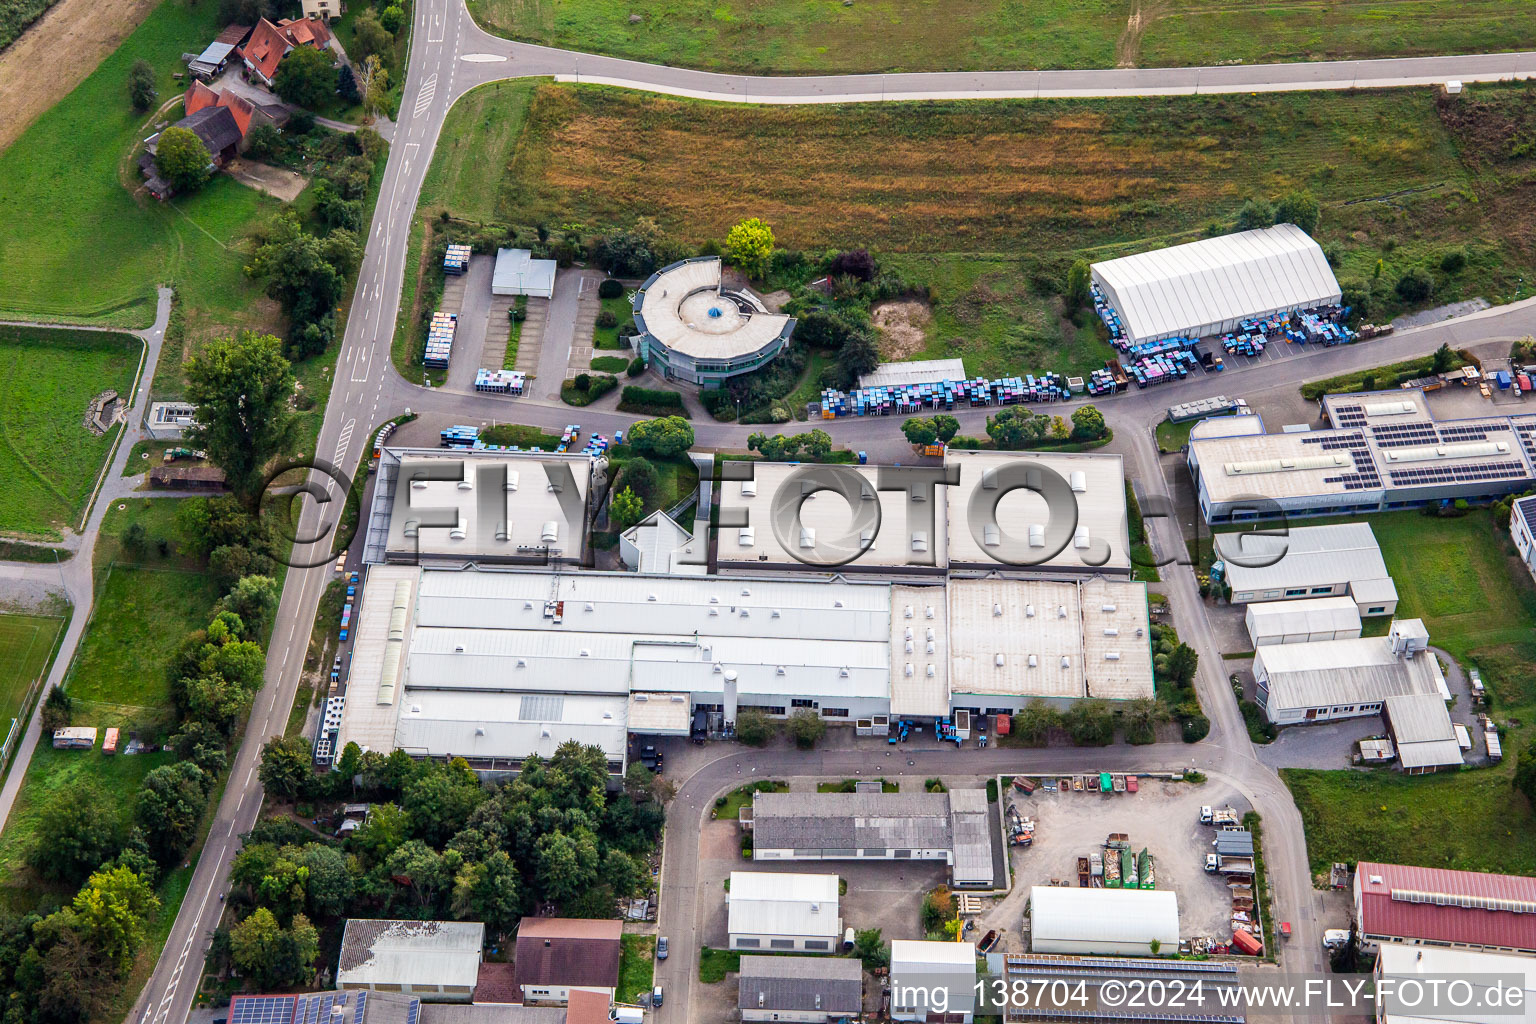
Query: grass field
x: 75, y: 245
x: 119, y: 674
x: 26, y: 649
x: 48, y: 459
x: 1172, y: 437
x: 990, y: 35
x: 1461, y: 578
x: 637, y: 967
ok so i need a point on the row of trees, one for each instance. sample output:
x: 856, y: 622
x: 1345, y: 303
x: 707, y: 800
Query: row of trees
x: 1014, y: 428
x: 812, y: 444
x: 62, y: 967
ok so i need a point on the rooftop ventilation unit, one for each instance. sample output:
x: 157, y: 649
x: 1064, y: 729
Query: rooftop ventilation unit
x: 1079, y: 481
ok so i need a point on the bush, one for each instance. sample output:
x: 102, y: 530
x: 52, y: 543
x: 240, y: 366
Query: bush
x: 583, y: 382
x: 651, y: 401
x: 753, y: 727
x: 393, y: 17
x: 611, y: 288
x: 806, y: 726
x: 636, y: 366
x: 605, y: 318
x: 57, y: 710
x: 598, y: 385
x: 1454, y: 261
x: 1415, y: 286
x: 640, y: 476
x: 855, y: 263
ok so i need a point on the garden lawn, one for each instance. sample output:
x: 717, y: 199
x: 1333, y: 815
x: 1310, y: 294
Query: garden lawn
x: 520, y: 435
x: 624, y: 313
x: 48, y: 459
x: 675, y: 479
x: 26, y: 650
x: 637, y: 967
x: 994, y: 35
x: 1172, y: 437
x: 141, y: 614
x: 76, y: 245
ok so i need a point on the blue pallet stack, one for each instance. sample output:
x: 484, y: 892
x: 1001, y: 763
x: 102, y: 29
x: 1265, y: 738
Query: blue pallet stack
x: 459, y: 437
x: 456, y: 259
x: 440, y: 339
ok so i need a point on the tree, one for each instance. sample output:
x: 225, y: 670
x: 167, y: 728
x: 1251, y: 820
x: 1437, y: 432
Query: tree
x: 422, y: 869
x: 488, y: 891
x: 328, y: 885
x: 241, y: 387
x: 285, y: 767
x: 254, y: 599
x: 858, y: 356
x: 1182, y: 664
x: 1035, y: 722
x: 946, y: 425
x: 566, y: 863
x: 383, y: 832
x: 632, y: 252
x: 855, y: 263
x: 170, y: 804
x: 1299, y: 208
x: 346, y: 89
x: 78, y: 831
x: 1060, y: 431
x: 215, y: 700
x: 817, y: 443
x: 753, y: 727
x: 1255, y: 213
x: 869, y: 946
x: 1088, y: 424
x: 664, y: 438
x: 1414, y: 286
x: 749, y: 245
x: 111, y: 909
x: 369, y: 37
x: 920, y: 431
x: 439, y: 803
x: 1078, y: 281
x: 373, y: 80
x: 305, y: 77
x: 1090, y: 723
x: 806, y: 726
x: 182, y: 159
x: 1444, y: 359
x: 394, y: 17
x: 274, y: 958
x: 58, y: 707
x: 1140, y: 717
x: 142, y: 92
x: 640, y: 476
x: 621, y: 872
x: 625, y: 509
x: 1016, y: 428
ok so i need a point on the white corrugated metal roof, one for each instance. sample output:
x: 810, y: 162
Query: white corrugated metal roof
x: 1341, y: 672
x: 1193, y: 289
x: 1302, y: 556
x: 1478, y: 971
x: 774, y: 903
x: 914, y: 371
x: 1107, y: 915
x: 925, y: 690
x: 918, y: 953
x: 464, y: 724
x: 659, y: 541
x: 1318, y: 615
x: 1422, y: 726
x: 410, y: 952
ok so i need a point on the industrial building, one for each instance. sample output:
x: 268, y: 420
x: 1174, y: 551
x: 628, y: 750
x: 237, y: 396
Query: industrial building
x: 1395, y: 904
x: 555, y: 956
x: 1207, y: 287
x: 950, y: 827
x: 488, y: 507
x: 695, y: 329
x: 433, y: 960
x: 659, y: 544
x: 1382, y: 450
x: 518, y: 273
x: 774, y: 911
x: 1114, y: 921
x: 1333, y: 679
x: 800, y: 989
x: 494, y: 665
x: 933, y: 981
x: 1037, y: 973
x: 1308, y: 562
x: 1420, y: 725
x: 1304, y: 621
x: 1488, y: 979
x: 1522, y: 530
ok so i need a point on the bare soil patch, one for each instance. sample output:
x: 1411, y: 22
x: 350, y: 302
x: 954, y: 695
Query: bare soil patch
x: 33, y: 77
x: 274, y: 181
x: 901, y: 325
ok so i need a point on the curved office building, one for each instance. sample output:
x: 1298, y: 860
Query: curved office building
x: 694, y: 329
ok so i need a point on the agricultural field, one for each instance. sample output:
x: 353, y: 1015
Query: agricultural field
x: 76, y: 245
x: 1462, y: 578
x: 997, y: 35
x: 26, y: 650
x: 48, y: 459
x: 985, y: 205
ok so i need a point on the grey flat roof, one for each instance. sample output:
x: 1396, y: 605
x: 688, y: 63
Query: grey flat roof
x: 789, y: 983
x: 1303, y: 556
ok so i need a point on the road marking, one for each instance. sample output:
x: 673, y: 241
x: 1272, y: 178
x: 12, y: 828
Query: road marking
x: 341, y: 449
x: 483, y: 58
x: 424, y: 96
x: 435, y: 27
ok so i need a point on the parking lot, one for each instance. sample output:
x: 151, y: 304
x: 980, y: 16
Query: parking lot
x: 1164, y: 817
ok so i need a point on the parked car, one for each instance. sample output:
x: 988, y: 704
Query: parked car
x: 1335, y: 938
x: 656, y: 996
x: 661, y: 949
x: 1210, y: 863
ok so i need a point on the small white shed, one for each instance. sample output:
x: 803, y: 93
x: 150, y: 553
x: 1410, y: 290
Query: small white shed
x: 1298, y: 622
x: 518, y: 273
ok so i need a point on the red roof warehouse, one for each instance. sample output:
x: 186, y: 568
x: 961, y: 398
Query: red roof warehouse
x: 1436, y: 907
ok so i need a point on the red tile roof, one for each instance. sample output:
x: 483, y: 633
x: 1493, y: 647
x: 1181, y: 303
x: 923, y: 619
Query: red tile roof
x: 198, y: 97
x: 1462, y: 913
x: 586, y: 1008
x: 233, y: 34
x: 266, y: 48
x: 567, y: 951
x: 241, y: 108
x: 305, y: 31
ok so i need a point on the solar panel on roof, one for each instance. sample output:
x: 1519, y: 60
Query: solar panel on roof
x: 413, y: 1012
x: 262, y: 1009
x: 362, y: 1005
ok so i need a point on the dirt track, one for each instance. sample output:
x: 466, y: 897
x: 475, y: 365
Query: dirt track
x: 33, y: 78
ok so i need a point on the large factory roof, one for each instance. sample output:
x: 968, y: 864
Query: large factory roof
x: 1360, y: 670
x: 1301, y: 556
x: 1194, y: 289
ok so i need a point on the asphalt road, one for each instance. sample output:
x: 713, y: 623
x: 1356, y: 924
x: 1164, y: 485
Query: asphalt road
x: 450, y: 55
